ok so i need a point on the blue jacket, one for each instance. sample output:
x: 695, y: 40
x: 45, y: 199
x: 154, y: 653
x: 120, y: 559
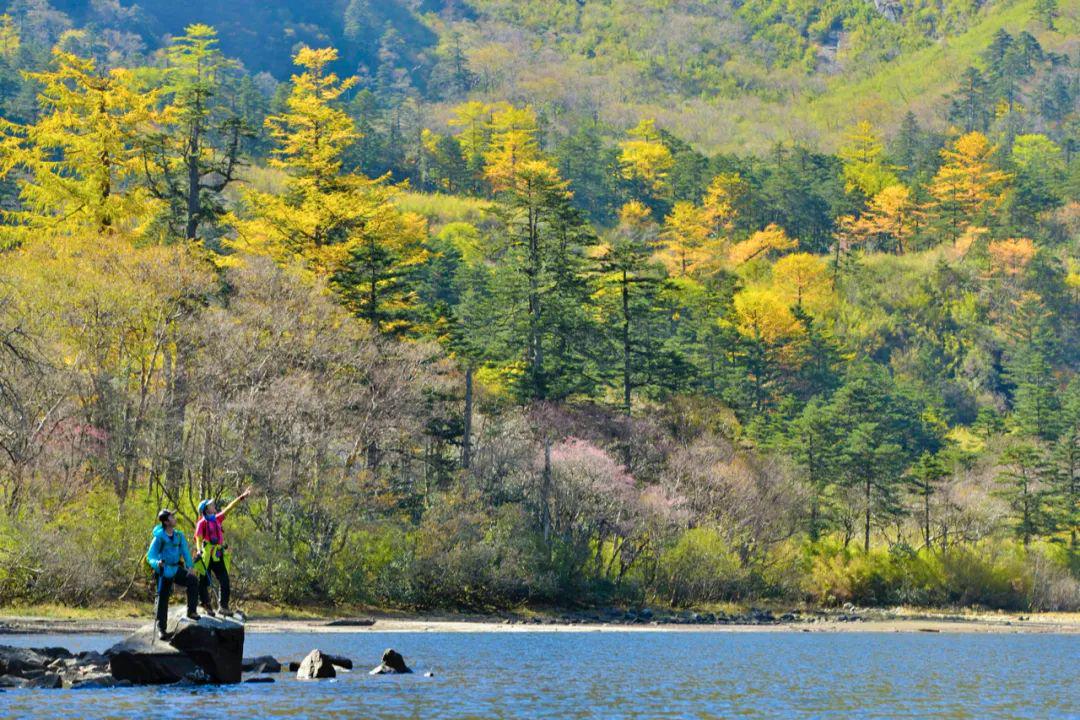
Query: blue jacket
x: 170, y: 550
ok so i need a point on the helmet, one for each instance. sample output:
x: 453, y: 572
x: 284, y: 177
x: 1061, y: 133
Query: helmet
x: 203, y: 505
x: 164, y: 515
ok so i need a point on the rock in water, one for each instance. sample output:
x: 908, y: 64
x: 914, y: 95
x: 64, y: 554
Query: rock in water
x: 392, y: 663
x: 315, y: 666
x: 17, y: 662
x: 339, y: 660
x: 215, y: 644
x: 262, y: 664
x: 144, y: 660
x: 213, y: 647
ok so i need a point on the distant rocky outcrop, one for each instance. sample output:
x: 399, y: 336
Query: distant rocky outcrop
x: 208, y: 650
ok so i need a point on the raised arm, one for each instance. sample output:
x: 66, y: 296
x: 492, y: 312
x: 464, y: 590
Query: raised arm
x: 225, y: 510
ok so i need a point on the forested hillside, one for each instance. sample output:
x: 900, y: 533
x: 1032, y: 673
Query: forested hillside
x: 500, y: 303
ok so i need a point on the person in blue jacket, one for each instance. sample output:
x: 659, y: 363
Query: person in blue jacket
x: 170, y: 559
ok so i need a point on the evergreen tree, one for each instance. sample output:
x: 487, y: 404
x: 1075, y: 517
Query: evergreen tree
x: 195, y: 153
x: 881, y: 432
x: 339, y: 224
x: 626, y: 285
x: 1023, y: 485
x: 540, y: 279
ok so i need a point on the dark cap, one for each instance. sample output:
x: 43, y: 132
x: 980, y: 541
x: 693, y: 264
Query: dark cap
x: 164, y: 515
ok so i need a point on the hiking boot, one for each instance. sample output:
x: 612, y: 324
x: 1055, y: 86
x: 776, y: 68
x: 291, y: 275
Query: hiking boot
x: 224, y: 610
x: 207, y: 610
x: 192, y: 615
x: 163, y: 635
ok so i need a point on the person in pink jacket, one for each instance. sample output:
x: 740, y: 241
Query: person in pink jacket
x: 211, y: 547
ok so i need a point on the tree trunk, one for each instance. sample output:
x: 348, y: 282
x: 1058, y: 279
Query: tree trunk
x: 545, y: 491
x: 866, y: 525
x: 466, y: 434
x: 926, y: 515
x: 536, y: 356
x: 626, y: 342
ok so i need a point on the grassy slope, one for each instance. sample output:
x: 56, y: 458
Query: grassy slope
x: 918, y: 81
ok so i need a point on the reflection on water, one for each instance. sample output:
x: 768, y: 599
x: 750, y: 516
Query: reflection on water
x: 618, y: 675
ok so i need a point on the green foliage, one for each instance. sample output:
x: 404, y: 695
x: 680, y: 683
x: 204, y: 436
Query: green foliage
x: 701, y: 568
x: 551, y: 351
x: 993, y: 575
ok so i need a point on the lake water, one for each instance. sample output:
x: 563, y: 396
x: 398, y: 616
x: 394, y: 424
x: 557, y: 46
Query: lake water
x: 616, y: 675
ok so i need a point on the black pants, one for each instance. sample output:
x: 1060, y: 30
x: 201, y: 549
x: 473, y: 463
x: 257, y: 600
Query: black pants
x: 164, y: 590
x: 218, y: 568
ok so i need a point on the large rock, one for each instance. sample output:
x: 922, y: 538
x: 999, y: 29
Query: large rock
x: 315, y: 666
x: 392, y: 663
x: 23, y: 662
x: 210, y: 650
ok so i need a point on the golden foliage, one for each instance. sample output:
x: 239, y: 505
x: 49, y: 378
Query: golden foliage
x: 1010, y: 257
x: 967, y: 184
x: 801, y: 278
x: 688, y: 246
x: 77, y: 165
x: 512, y: 146
x: 863, y: 155
x: 720, y: 206
x: 322, y: 216
x: 891, y: 219
x: 474, y: 118
x: 644, y: 157
x: 760, y: 244
x: 763, y: 315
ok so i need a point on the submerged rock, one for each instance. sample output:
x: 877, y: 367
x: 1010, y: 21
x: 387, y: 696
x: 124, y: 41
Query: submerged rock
x: 392, y: 663
x: 315, y: 667
x: 339, y: 660
x: 261, y: 664
x: 206, y: 650
x: 48, y: 681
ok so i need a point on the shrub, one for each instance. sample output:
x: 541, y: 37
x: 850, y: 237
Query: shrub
x: 700, y: 568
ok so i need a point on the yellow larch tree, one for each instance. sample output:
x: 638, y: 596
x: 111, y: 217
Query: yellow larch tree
x: 968, y: 185
x: 512, y: 144
x: 645, y: 158
x: 316, y: 218
x: 890, y: 221
x: 726, y: 194
x: 763, y: 314
x: 800, y: 278
x: 474, y: 119
x: 762, y: 243
x: 863, y: 156
x: 1009, y: 257
x: 342, y: 225
x: 77, y: 166
x: 687, y: 244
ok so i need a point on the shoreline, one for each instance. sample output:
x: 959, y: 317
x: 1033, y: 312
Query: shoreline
x: 897, y: 622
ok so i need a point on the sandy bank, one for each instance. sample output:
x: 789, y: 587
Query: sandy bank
x: 900, y: 621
